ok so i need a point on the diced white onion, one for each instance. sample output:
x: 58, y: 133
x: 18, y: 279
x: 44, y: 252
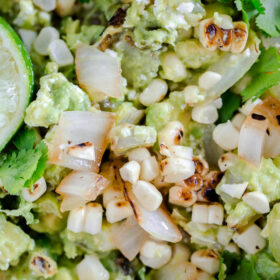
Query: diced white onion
x: 82, y: 150
x: 111, y: 193
x: 234, y: 190
x: 129, y: 237
x: 149, y: 169
x: 90, y: 268
x: 130, y: 172
x: 206, y: 114
x: 46, y: 5
x: 28, y: 37
x: 238, y: 120
x: 70, y: 202
x: 76, y: 219
x: 248, y: 107
x: 84, y: 185
x: 226, y: 136
x: 46, y: 36
x: 258, y: 201
x: 98, y: 72
x: 147, y: 194
x: 251, y: 140
x: 117, y: 210
x: 155, y: 92
x: 60, y: 53
x: 81, y: 127
x: 37, y: 190
x: 181, y: 152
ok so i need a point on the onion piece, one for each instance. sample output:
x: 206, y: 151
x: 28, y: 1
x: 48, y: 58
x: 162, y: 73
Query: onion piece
x: 83, y: 185
x: 70, y: 202
x: 251, y: 139
x: 129, y: 237
x: 157, y: 223
x: 232, y: 67
x: 98, y: 72
x: 80, y: 127
x: 65, y: 7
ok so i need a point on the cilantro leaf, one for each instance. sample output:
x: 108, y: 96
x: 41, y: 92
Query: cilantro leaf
x: 25, y: 139
x: 23, y: 168
x: 265, y: 74
x: 246, y: 271
x: 269, y: 22
x: 231, y: 103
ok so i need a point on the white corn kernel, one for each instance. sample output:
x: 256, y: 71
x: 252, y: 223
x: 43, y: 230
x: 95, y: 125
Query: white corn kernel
x: 191, y: 94
x: 250, y: 240
x: 60, y: 53
x: 224, y: 235
x: 232, y: 248
x: 44, y: 39
x: 83, y: 151
x: 111, y: 193
x: 207, y: 260
x: 208, y: 80
x: 45, y: 5
x: 75, y: 222
x: 218, y: 103
x: 117, y: 210
x: 206, y: 114
x: 149, y: 169
x: 164, y: 151
x: 176, y: 169
x: 215, y: 214
x: 130, y: 171
x: 138, y: 154
x: 200, y: 213
x: 148, y: 195
x: 258, y: 201
x: 238, y: 120
x: 248, y: 107
x: 182, y: 196
x: 181, y: 152
x: 171, y: 134
x: 91, y: 268
x: 226, y: 161
x: 173, y: 67
x: 28, y: 37
x: 93, y: 218
x: 154, y: 93
x: 37, y: 190
x: 155, y: 254
x: 226, y: 136
x: 234, y: 190
x: 203, y: 275
x: 64, y: 7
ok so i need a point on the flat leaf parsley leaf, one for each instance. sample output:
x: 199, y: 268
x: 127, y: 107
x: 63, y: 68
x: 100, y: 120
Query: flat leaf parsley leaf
x: 22, y: 168
x: 265, y: 74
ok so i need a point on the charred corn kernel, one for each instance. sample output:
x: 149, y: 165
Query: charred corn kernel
x: 171, y: 134
x: 149, y: 169
x: 207, y: 260
x: 138, y: 154
x: 130, y: 171
x: 182, y: 196
x: 37, y: 190
x: 155, y: 92
x: 117, y: 210
x: 226, y: 161
x: 147, y: 194
x: 226, y: 136
x: 155, y: 254
x: 176, y: 169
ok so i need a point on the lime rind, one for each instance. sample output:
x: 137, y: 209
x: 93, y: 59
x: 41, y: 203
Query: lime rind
x: 24, y: 65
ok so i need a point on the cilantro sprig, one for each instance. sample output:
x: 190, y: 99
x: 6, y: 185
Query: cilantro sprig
x: 265, y: 74
x: 25, y: 165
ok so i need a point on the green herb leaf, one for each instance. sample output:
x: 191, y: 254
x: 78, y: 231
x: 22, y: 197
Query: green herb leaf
x: 246, y: 271
x: 23, y: 168
x: 25, y: 139
x: 265, y: 74
x: 231, y: 103
x: 269, y: 21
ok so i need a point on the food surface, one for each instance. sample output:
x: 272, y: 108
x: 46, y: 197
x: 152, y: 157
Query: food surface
x: 139, y: 139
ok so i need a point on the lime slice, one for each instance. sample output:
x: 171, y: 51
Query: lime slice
x: 16, y: 82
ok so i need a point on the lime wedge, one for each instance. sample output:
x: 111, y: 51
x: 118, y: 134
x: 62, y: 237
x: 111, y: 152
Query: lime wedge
x: 16, y: 82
